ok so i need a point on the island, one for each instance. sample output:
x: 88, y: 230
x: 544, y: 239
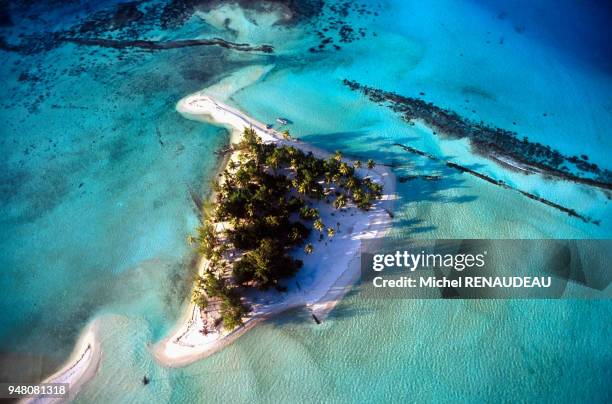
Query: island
x: 282, y: 230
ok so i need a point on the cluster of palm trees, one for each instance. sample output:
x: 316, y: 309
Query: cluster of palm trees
x: 213, y: 286
x: 266, y: 196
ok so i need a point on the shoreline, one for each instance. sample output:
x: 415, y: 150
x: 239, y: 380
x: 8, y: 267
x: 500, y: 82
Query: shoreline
x: 326, y: 284
x: 78, y: 369
x: 82, y: 364
x: 325, y: 289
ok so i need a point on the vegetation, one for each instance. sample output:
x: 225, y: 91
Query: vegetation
x: 265, y: 265
x: 262, y: 211
x: 309, y: 248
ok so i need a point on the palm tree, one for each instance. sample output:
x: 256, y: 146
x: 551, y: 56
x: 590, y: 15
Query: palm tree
x: 351, y: 184
x: 303, y: 188
x: 249, y: 138
x: 327, y: 181
x: 272, y: 221
x: 371, y: 164
x: 357, y: 196
x: 330, y: 232
x: 338, y: 155
x: 250, y: 210
x: 199, y: 299
x: 340, y: 201
x: 309, y: 248
x: 273, y: 161
x: 344, y: 169
x: 357, y: 164
x: 318, y: 225
x: 207, y: 238
x: 242, y: 177
x: 294, y: 235
x: 314, y: 213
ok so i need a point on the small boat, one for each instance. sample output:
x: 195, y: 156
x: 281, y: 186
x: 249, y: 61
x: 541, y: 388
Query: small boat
x: 269, y: 126
x: 282, y: 121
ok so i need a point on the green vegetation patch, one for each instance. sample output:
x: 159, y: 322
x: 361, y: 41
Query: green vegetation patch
x: 265, y: 204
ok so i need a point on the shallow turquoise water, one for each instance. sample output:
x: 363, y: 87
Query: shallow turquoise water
x: 114, y: 248
x: 96, y: 200
x: 398, y: 350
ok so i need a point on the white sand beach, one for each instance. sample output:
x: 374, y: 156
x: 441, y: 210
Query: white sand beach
x: 328, y: 273
x: 81, y: 367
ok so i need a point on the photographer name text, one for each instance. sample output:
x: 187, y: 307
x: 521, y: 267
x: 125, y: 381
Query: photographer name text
x: 464, y: 282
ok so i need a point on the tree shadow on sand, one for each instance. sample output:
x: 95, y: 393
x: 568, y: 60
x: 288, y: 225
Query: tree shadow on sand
x: 420, y: 183
x: 419, y: 179
x: 303, y: 315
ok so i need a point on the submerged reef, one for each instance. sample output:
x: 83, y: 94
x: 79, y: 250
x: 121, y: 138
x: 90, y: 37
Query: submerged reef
x: 332, y: 27
x: 163, y: 45
x: 462, y: 169
x: 125, y: 25
x: 497, y: 144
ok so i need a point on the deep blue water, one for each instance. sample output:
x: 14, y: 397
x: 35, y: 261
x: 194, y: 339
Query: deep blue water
x: 578, y: 29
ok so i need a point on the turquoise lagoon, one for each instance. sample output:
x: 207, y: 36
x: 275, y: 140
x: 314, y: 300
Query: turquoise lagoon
x: 96, y: 206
